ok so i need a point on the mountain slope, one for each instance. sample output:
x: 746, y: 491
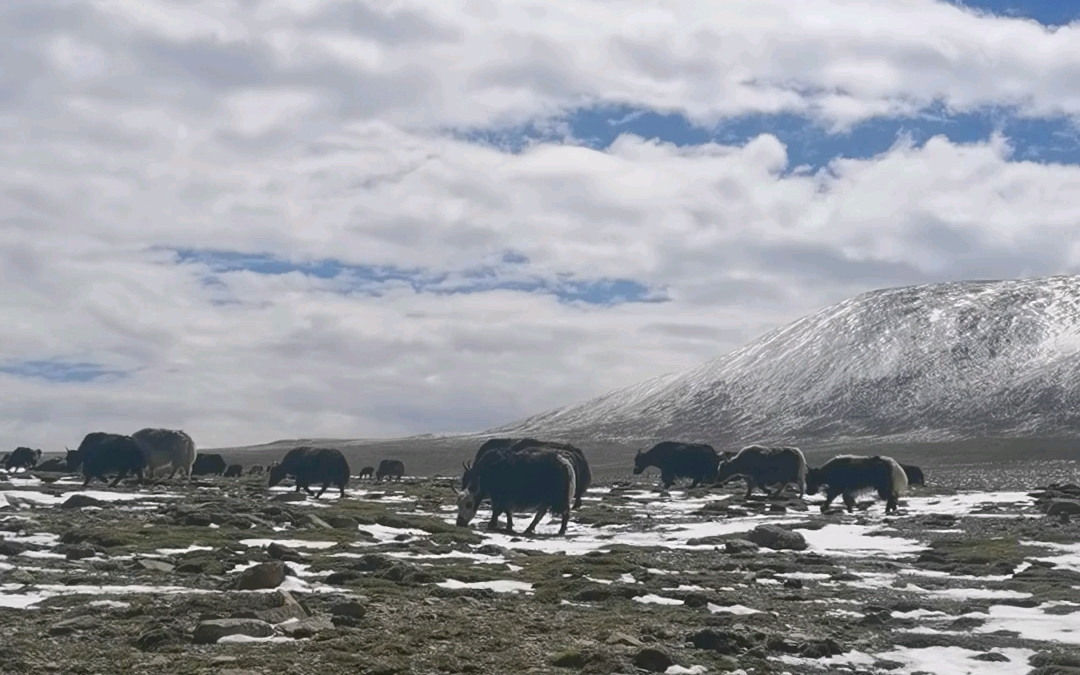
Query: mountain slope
x: 920, y: 364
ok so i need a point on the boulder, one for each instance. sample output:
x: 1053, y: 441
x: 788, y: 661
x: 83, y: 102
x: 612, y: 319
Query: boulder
x: 265, y: 575
x: 209, y: 632
x: 77, y: 501
x: 777, y: 538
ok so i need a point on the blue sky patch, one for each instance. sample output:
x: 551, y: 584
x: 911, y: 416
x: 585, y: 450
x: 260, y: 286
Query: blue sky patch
x: 59, y: 370
x: 373, y: 280
x: 809, y: 144
x: 1047, y: 12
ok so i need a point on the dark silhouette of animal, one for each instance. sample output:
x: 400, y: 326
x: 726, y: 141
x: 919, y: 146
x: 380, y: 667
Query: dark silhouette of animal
x: 313, y: 465
x: 22, y: 458
x: 166, y: 447
x: 234, y: 471
x: 582, y: 472
x: 55, y: 465
x: 101, y: 454
x: 696, y: 461
x: 208, y: 464
x: 4, y: 459
x: 367, y: 472
x: 760, y: 467
x: 256, y: 470
x: 914, y: 474
x: 536, y: 477
x: 849, y: 475
x: 390, y: 468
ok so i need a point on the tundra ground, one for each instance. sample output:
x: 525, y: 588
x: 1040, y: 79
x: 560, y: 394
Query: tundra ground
x: 977, y: 578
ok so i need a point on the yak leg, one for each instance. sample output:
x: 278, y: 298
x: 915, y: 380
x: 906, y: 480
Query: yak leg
x: 849, y: 501
x: 307, y: 488
x: 87, y: 481
x: 829, y: 497
x: 778, y: 491
x: 565, y: 521
x: 667, y: 479
x: 322, y: 490
x: 509, y: 521
x: 890, y: 506
x: 695, y: 482
x: 751, y: 485
x: 342, y: 486
x: 577, y: 502
x: 536, y: 521
x: 119, y: 475
x: 493, y: 524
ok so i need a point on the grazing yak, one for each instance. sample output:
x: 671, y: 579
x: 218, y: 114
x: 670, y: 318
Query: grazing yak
x: 535, y: 477
x: 101, y: 454
x: 582, y: 472
x: 390, y: 468
x: 848, y: 475
x: 54, y: 465
x: 208, y: 464
x: 760, y: 467
x: 696, y: 461
x: 914, y: 474
x: 367, y: 472
x: 234, y: 471
x: 313, y: 465
x: 256, y: 470
x: 165, y: 447
x: 22, y: 458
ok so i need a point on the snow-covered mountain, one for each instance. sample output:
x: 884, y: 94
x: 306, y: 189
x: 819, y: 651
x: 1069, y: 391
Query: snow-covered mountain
x: 931, y: 363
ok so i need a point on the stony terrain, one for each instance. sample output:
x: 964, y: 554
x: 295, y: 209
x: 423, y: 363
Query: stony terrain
x: 979, y: 573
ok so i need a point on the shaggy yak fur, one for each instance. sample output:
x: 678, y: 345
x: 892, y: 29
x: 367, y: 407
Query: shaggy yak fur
x: 165, y: 447
x: 696, y: 461
x: 848, y: 475
x: 22, y: 458
x: 367, y: 472
x: 313, y: 465
x: 914, y: 474
x: 390, y: 468
x: 211, y: 464
x: 582, y: 472
x: 101, y: 454
x: 761, y: 467
x: 536, y: 477
x: 234, y: 471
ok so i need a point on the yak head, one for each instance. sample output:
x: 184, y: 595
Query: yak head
x: 277, y: 474
x: 468, y: 501
x: 641, y: 462
x: 814, y: 481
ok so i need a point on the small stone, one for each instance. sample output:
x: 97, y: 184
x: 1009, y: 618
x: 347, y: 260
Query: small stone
x: 306, y: 628
x: 287, y: 609
x: 617, y: 638
x: 351, y: 609
x: 289, y: 497
x: 265, y: 575
x: 209, y: 632
x: 740, y: 546
x: 653, y: 660
x: 315, y: 521
x: 197, y: 520
x: 69, y: 626
x: 77, y: 552
x: 9, y: 548
x: 1066, y: 506
x: 569, y: 659
x: 777, y: 538
x: 77, y: 501
x: 991, y: 657
x: 280, y: 552
x: 155, y: 565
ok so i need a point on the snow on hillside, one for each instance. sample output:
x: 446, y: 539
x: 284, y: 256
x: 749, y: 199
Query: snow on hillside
x: 925, y: 363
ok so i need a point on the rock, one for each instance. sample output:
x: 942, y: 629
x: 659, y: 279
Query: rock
x: 723, y: 642
x: 154, y: 638
x: 1063, y: 506
x: 623, y: 639
x: 777, y: 538
x: 209, y: 632
x: 155, y: 565
x: 338, y: 578
x: 306, y: 628
x: 653, y: 660
x: 343, y: 522
x: 265, y: 575
x: 991, y: 657
x: 77, y: 501
x: 69, y: 626
x: 287, y: 609
x: 350, y: 609
x: 569, y: 659
x: 197, y: 520
x: 280, y: 552
x: 289, y: 497
x: 77, y: 552
x: 21, y: 577
x: 727, y: 663
x: 9, y: 548
x: 736, y: 546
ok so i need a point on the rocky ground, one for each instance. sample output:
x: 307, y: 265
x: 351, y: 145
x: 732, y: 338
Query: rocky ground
x: 225, y: 576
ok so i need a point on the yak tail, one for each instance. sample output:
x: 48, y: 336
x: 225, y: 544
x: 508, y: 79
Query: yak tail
x: 571, y: 481
x: 899, y: 483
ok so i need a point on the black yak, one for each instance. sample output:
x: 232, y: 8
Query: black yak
x: 54, y: 465
x: 390, y: 468
x: 582, y: 472
x: 234, y: 471
x: 914, y: 474
x: 256, y: 470
x: 536, y: 477
x: 208, y: 464
x: 100, y: 454
x: 367, y: 472
x: 313, y: 465
x: 848, y: 475
x: 165, y: 447
x: 696, y: 461
x: 22, y: 458
x: 761, y: 467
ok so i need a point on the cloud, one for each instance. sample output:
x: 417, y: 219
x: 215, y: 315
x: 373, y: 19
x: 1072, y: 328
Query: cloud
x: 267, y: 220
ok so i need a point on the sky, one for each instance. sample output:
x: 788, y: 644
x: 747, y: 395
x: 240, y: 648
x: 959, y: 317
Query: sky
x: 257, y: 220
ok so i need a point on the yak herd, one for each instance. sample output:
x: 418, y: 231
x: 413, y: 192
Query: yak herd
x: 513, y: 474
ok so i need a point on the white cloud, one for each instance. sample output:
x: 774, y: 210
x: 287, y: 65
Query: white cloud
x: 149, y: 126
